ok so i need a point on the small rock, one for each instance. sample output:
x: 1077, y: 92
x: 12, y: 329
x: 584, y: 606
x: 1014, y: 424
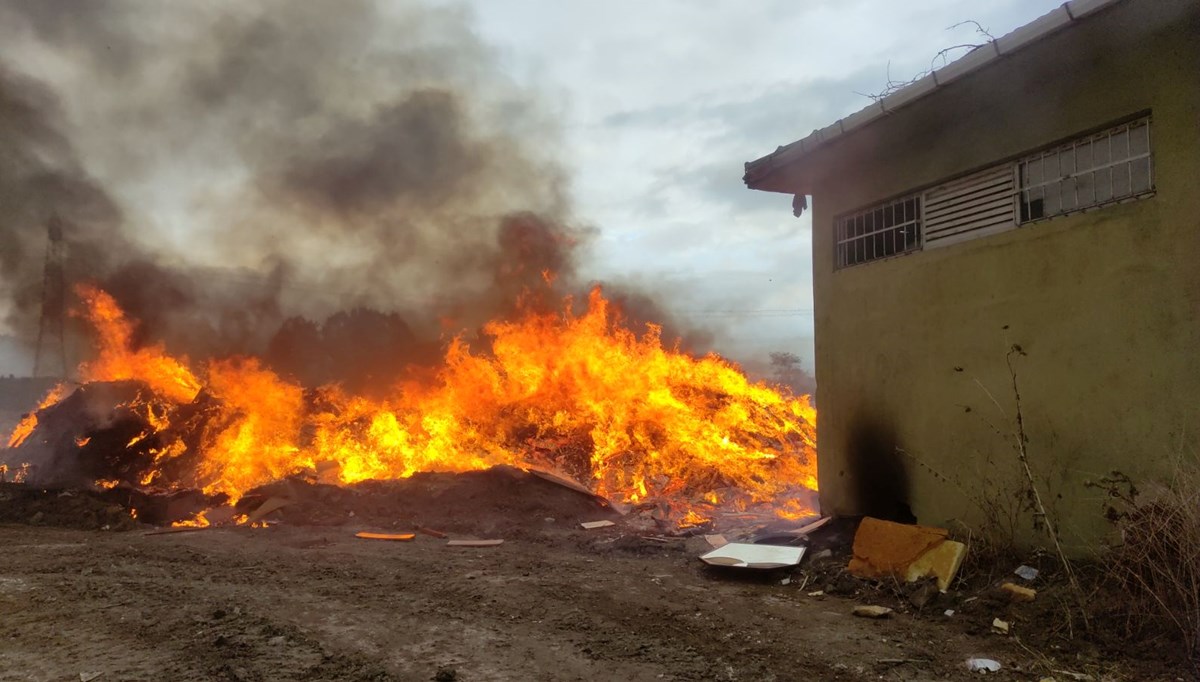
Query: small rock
x: 949, y: 612
x: 445, y: 675
x: 867, y: 611
x: 1000, y: 627
x: 922, y: 593
x: 785, y: 581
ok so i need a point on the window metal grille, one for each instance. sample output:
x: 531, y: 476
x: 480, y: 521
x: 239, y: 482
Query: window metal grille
x: 1109, y: 166
x: 885, y: 230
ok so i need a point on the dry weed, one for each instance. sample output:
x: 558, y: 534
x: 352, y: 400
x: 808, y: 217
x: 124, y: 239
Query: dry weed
x: 1156, y: 563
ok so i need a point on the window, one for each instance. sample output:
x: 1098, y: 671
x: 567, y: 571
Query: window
x: 879, y: 232
x: 1090, y: 171
x: 973, y: 206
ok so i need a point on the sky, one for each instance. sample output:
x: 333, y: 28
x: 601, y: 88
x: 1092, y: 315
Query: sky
x: 663, y: 102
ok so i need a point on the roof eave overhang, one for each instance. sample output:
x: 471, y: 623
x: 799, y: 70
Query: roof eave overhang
x: 789, y: 168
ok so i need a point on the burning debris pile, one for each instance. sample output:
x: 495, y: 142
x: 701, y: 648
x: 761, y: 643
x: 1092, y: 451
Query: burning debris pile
x: 575, y: 393
x: 244, y: 171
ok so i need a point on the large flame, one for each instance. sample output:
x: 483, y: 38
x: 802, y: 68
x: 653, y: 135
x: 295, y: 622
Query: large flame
x: 577, y: 392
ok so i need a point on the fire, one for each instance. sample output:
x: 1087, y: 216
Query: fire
x: 632, y: 418
x: 29, y: 422
x: 117, y: 359
x: 197, y: 521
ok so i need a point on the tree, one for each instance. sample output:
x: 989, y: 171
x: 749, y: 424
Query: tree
x: 787, y: 371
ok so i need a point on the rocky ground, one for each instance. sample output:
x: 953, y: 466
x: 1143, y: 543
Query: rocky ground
x: 304, y: 599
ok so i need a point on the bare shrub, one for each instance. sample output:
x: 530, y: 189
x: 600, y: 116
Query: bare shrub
x: 1156, y: 562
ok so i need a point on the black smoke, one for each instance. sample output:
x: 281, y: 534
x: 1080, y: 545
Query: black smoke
x: 230, y: 170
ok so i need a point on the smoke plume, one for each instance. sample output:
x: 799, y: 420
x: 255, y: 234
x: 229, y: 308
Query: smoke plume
x: 226, y: 168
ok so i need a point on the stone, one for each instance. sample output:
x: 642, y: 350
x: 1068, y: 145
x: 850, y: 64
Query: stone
x: 868, y: 611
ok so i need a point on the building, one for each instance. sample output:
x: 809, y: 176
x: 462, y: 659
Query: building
x: 1033, y: 203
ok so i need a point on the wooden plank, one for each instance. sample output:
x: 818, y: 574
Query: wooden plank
x: 808, y: 527
x: 272, y: 504
x: 397, y: 537
x: 180, y: 529
x: 432, y: 533
x: 589, y: 525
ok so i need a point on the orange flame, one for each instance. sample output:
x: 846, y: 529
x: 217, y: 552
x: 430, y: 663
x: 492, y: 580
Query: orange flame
x: 197, y: 521
x: 636, y: 419
x: 29, y: 422
x: 117, y: 358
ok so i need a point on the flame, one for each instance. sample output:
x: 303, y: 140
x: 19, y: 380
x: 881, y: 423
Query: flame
x: 578, y: 392
x: 691, y: 519
x: 117, y: 359
x: 29, y: 422
x: 197, y: 521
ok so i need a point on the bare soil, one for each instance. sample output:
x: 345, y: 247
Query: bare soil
x: 306, y: 600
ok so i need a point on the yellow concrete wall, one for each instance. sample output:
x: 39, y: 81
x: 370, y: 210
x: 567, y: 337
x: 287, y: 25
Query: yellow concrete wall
x: 1105, y: 303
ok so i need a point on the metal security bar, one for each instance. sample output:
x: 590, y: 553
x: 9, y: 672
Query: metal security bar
x: 885, y: 230
x: 1106, y: 167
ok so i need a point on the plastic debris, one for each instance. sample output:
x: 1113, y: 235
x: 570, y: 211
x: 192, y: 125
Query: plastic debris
x: 983, y: 665
x: 741, y: 555
x: 949, y: 612
x: 1026, y: 572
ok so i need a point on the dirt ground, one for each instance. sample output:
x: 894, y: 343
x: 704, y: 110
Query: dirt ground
x: 85, y: 589
x: 316, y: 603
